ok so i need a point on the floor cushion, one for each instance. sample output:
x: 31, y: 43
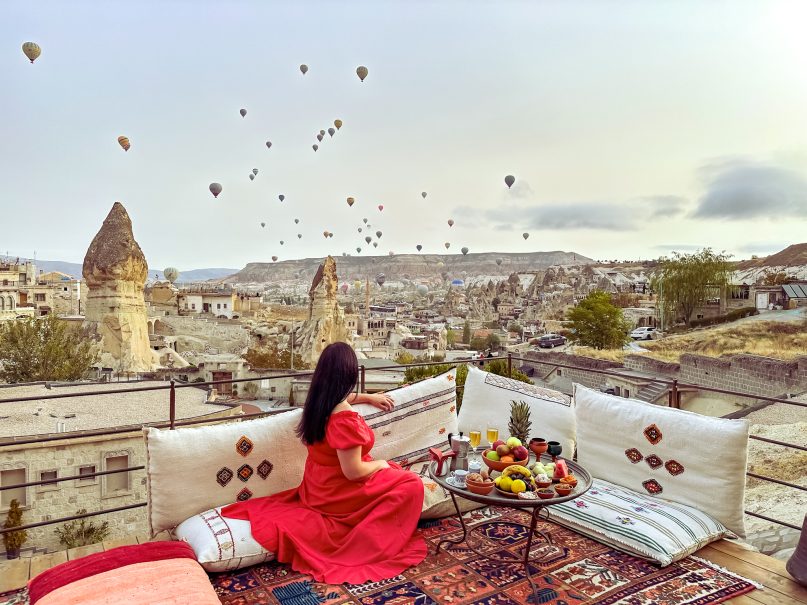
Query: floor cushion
x: 220, y: 543
x: 658, y: 451
x: 424, y: 414
x: 142, y: 574
x: 486, y: 403
x: 191, y: 470
x: 650, y: 528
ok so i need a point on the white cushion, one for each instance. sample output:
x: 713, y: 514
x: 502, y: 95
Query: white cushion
x: 221, y: 544
x: 681, y: 456
x: 424, y: 414
x: 649, y: 528
x: 191, y: 470
x: 486, y: 403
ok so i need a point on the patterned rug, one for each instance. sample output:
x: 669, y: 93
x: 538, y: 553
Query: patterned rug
x: 573, y: 570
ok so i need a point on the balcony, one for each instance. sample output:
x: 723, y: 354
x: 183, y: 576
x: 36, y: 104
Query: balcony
x: 770, y: 572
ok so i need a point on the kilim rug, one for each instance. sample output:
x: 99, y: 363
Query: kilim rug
x: 574, y: 570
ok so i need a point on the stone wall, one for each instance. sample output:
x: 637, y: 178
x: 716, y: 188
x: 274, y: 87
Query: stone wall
x: 642, y: 363
x: 202, y: 335
x: 563, y: 378
x: 745, y: 373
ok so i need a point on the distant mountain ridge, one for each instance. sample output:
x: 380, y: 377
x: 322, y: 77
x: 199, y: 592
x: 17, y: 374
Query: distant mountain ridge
x: 407, y: 266
x: 191, y: 275
x: 792, y: 261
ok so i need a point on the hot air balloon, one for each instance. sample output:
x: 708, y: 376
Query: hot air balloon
x: 391, y: 253
x: 124, y: 142
x: 350, y: 201
x: 274, y: 259
x: 380, y: 207
x: 324, y: 234
x: 171, y: 274
x: 457, y: 282
x: 281, y: 242
x: 331, y: 131
x: 362, y: 72
x: 375, y: 244
x: 268, y: 144
x: 315, y: 147
x: 31, y: 50
x: 447, y: 245
x: 365, y: 220
x: 299, y: 236
x: 344, y: 287
x: 358, y: 250
x: 251, y: 177
x: 357, y: 285
x: 509, y: 180
x: 525, y: 235
x: 368, y: 239
x: 423, y: 194
x: 319, y: 138
x: 423, y: 290
x: 419, y: 247
x: 359, y: 229
x: 263, y: 224
x: 296, y: 221
x: 380, y: 279
x: 243, y: 112
x: 499, y: 262
x: 338, y: 124
x: 378, y: 234
x: 322, y: 133
x: 215, y: 189
x: 281, y: 197
x: 255, y: 171
x: 451, y: 222
x: 304, y: 68
x: 464, y: 250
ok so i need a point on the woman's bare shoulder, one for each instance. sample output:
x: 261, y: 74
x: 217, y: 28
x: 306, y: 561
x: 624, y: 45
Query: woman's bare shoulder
x: 342, y: 407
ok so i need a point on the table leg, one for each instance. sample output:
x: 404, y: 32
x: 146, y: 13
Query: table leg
x: 462, y: 523
x: 536, y: 513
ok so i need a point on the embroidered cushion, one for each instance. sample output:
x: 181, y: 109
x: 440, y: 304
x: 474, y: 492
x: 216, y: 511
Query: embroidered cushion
x: 221, y: 544
x: 191, y: 470
x: 486, y: 403
x: 424, y: 414
x: 658, y: 451
x: 650, y: 528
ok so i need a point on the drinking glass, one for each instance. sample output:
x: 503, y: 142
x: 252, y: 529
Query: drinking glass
x: 476, y: 439
x: 493, y: 436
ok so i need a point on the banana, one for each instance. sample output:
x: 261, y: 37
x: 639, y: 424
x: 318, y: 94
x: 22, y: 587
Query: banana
x: 516, y: 469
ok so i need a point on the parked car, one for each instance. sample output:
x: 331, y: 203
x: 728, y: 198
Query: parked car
x: 644, y: 333
x: 550, y: 341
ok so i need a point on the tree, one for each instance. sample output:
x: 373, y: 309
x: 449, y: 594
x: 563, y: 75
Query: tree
x: 466, y: 332
x: 34, y: 349
x: 14, y: 540
x: 597, y: 322
x: 685, y: 281
x: 270, y: 357
x: 773, y: 278
x: 514, y: 327
x: 405, y: 358
x: 451, y: 338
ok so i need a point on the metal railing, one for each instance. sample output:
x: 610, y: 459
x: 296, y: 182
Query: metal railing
x: 674, y: 386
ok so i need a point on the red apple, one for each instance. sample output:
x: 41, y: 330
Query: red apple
x: 520, y: 452
x: 496, y: 444
x: 503, y: 450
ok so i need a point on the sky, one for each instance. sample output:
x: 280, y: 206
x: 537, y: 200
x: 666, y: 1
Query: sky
x: 633, y: 128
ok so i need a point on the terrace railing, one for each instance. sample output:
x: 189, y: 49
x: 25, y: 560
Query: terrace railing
x: 675, y: 388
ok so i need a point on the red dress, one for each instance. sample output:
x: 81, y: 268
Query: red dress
x: 338, y: 530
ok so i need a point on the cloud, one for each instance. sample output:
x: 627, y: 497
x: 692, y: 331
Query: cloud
x: 578, y: 215
x: 664, y: 206
x: 761, y: 247
x: 738, y: 189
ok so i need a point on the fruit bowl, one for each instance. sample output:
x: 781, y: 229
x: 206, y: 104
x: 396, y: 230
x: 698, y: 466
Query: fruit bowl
x: 496, y: 465
x: 501, y: 492
x: 481, y: 489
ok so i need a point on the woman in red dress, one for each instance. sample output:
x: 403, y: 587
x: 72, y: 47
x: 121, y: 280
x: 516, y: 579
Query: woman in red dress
x: 352, y: 519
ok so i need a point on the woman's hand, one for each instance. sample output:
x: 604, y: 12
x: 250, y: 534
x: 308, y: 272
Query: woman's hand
x: 382, y: 401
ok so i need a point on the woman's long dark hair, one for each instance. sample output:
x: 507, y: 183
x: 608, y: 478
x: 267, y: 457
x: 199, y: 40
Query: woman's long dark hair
x: 334, y: 378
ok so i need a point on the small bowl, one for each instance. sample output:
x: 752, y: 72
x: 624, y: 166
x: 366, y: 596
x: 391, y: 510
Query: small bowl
x: 500, y: 466
x: 545, y: 494
x: 573, y: 482
x: 481, y: 489
x: 563, y: 489
x: 543, y: 484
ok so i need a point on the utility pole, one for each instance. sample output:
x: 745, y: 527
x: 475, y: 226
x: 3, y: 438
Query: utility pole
x: 661, y: 301
x: 292, y: 343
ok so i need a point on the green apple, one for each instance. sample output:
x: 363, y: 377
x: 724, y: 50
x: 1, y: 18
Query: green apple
x: 513, y: 442
x: 493, y: 456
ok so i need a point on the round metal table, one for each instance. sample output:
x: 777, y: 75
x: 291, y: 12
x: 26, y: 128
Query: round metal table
x: 537, y: 507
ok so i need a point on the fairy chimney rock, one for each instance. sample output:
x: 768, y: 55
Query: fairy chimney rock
x: 326, y: 319
x: 115, y: 272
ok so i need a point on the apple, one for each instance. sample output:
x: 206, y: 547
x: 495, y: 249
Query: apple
x: 513, y: 442
x: 520, y: 452
x: 493, y: 456
x: 503, y: 450
x: 496, y: 444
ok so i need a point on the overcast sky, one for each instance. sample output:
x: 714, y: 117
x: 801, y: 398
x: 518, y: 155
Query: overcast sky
x: 632, y: 128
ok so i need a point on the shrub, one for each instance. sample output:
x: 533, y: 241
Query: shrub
x: 81, y: 532
x: 15, y: 539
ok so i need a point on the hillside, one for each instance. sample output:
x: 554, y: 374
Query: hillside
x: 407, y: 266
x: 192, y: 275
x: 792, y: 256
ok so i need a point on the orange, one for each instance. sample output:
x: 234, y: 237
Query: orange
x: 507, y: 459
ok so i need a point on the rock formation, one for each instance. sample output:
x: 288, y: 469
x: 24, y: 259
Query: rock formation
x: 326, y: 319
x: 115, y: 271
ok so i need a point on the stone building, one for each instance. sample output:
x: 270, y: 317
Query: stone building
x: 115, y: 272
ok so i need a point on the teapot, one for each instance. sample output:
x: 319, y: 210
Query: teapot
x: 460, y: 446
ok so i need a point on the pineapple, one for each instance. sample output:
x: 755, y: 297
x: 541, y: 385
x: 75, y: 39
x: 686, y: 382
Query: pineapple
x: 520, y: 423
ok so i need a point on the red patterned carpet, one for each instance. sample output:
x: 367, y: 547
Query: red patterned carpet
x: 573, y: 570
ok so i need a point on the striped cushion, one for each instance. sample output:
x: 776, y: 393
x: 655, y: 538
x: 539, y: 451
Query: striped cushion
x: 649, y: 528
x: 423, y: 416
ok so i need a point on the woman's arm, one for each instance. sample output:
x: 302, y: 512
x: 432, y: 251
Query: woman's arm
x: 356, y: 469
x: 380, y: 400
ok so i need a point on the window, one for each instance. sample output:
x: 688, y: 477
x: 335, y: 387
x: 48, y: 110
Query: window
x: 117, y: 482
x: 193, y: 306
x: 225, y: 305
x: 86, y: 470
x: 627, y: 394
x: 12, y: 477
x: 49, y: 475
x: 39, y: 297
x: 64, y: 289
x: 218, y: 305
x: 560, y: 372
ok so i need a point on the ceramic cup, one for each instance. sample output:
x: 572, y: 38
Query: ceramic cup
x: 458, y: 477
x: 474, y: 466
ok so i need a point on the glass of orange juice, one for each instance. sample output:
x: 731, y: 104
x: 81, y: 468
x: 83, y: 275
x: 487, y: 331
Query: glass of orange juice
x: 476, y: 439
x: 493, y: 436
